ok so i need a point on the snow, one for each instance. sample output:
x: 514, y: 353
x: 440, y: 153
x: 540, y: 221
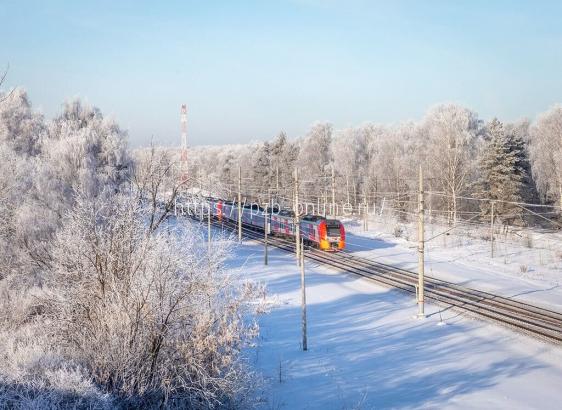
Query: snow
x: 532, y: 274
x: 366, y: 350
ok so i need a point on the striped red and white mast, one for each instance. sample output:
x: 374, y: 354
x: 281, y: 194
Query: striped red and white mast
x: 183, y: 162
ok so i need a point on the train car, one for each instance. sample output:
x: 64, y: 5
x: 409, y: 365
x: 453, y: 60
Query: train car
x: 254, y: 216
x: 216, y: 207
x: 229, y: 211
x: 282, y: 223
x: 327, y: 234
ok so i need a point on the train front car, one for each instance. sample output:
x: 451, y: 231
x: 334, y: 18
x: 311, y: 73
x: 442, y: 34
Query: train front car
x: 332, y: 235
x: 326, y: 234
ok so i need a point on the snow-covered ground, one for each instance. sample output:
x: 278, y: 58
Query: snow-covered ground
x: 367, y: 351
x: 526, y: 266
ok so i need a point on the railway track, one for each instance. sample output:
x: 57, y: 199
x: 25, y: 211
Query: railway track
x: 524, y: 317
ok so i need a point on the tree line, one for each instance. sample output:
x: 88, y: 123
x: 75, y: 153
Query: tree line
x: 461, y: 155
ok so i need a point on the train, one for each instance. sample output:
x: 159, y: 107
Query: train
x: 315, y: 230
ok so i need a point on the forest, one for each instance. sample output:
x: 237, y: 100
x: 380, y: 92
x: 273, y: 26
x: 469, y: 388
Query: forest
x: 467, y: 162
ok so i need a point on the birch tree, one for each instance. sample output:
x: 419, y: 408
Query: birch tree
x: 546, y: 154
x: 344, y: 158
x: 315, y: 156
x: 452, y: 135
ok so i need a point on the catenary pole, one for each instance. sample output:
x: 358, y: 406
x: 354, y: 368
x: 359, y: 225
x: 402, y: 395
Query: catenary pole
x: 297, y: 219
x: 209, y: 227
x: 239, y: 204
x: 276, y: 183
x: 365, y: 212
x: 347, y: 188
x: 492, y: 230
x: 333, y: 192
x: 421, y: 240
x: 375, y: 196
x: 303, y: 299
x: 266, y: 226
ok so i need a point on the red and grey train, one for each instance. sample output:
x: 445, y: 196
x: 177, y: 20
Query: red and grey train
x: 326, y: 234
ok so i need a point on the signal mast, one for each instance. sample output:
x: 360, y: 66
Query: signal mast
x: 183, y: 161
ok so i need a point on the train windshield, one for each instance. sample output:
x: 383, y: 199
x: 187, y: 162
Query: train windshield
x: 333, y: 228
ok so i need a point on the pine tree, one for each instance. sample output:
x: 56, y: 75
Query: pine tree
x: 504, y: 167
x: 518, y: 145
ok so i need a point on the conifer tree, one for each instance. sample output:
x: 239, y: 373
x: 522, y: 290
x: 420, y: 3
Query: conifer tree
x: 504, y: 168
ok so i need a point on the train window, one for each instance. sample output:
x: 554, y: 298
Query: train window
x: 334, y: 231
x: 333, y: 228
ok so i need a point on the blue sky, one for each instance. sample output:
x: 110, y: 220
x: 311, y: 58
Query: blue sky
x: 248, y: 69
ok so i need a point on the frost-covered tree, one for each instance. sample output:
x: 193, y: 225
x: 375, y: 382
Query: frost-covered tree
x: 344, y: 160
x: 546, y: 154
x: 21, y: 128
x: 351, y: 158
x: 229, y: 170
x: 83, y: 152
x: 21, y: 134
x: 373, y: 136
x: 284, y: 154
x: 452, y: 137
x: 503, y: 168
x: 157, y: 184
x: 261, y: 170
x: 394, y: 168
x: 518, y: 133
x: 88, y: 151
x: 315, y: 157
x: 15, y: 181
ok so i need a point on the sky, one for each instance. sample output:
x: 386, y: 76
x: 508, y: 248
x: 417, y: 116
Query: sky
x: 249, y: 69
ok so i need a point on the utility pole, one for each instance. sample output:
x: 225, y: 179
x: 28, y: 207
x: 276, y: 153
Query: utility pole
x: 347, y: 187
x: 209, y: 227
x: 266, y: 226
x: 303, y: 298
x: 297, y: 219
x: 354, y: 193
x: 333, y: 192
x: 277, y: 182
x: 492, y: 229
x: 239, y: 204
x: 421, y: 241
x: 365, y: 212
x: 375, y: 196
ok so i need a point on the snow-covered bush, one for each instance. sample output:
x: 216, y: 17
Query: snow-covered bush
x: 151, y: 315
x: 35, y: 375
